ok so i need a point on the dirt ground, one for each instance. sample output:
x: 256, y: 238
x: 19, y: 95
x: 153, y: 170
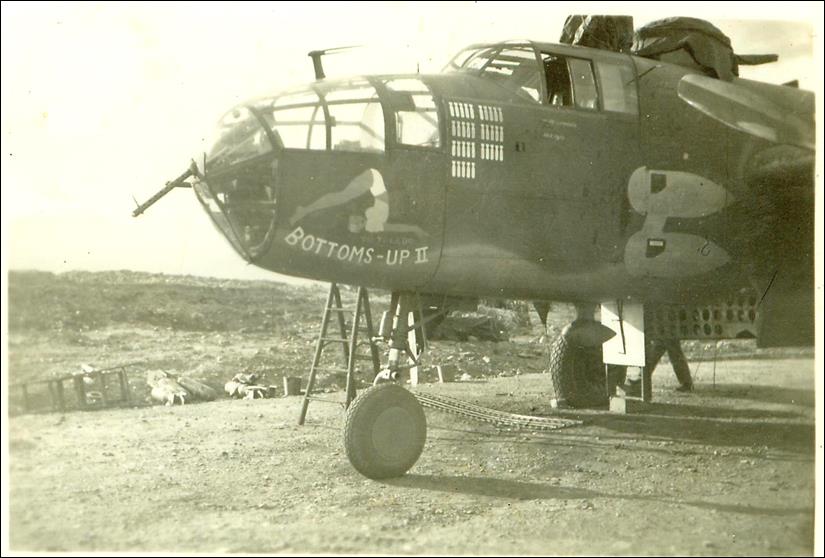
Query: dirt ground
x: 725, y: 470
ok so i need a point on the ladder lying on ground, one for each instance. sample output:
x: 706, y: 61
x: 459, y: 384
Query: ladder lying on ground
x: 349, y: 341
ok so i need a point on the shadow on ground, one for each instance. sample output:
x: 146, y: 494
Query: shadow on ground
x: 523, y: 490
x: 765, y: 394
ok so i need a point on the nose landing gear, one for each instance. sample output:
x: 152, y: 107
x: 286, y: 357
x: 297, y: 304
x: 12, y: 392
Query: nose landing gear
x: 385, y: 431
x: 385, y: 428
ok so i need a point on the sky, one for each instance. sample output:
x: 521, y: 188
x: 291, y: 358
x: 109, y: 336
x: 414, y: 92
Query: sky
x: 103, y: 102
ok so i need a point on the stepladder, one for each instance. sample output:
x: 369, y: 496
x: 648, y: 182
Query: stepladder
x: 353, y: 337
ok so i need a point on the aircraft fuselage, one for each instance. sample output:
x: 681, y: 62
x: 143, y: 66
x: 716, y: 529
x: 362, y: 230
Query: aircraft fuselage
x: 599, y: 177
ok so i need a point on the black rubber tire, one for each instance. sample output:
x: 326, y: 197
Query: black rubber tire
x: 577, y: 375
x: 385, y: 431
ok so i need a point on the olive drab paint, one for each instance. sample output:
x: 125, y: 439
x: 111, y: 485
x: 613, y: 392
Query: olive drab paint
x: 633, y: 179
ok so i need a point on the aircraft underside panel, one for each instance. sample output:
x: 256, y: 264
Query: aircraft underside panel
x: 733, y: 318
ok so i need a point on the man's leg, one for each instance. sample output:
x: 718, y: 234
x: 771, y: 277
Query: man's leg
x: 680, y: 365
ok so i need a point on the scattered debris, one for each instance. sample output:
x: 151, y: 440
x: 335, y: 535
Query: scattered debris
x: 165, y: 388
x: 243, y: 386
x: 170, y: 389
x: 199, y: 390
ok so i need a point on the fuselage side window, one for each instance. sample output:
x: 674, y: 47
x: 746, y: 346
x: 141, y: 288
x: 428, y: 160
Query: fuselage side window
x: 618, y: 87
x: 570, y: 82
x: 584, y: 85
x: 559, y: 88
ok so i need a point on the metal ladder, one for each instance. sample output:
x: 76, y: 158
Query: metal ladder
x: 348, y: 341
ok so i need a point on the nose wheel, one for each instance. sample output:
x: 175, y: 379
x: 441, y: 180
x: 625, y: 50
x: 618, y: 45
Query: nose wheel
x: 385, y: 431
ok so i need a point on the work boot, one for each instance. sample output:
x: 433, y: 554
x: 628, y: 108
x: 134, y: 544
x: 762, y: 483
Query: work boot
x: 685, y: 387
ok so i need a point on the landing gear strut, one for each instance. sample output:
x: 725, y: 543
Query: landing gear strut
x: 385, y: 428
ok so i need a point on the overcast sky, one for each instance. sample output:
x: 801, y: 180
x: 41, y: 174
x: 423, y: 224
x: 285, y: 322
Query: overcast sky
x: 101, y: 102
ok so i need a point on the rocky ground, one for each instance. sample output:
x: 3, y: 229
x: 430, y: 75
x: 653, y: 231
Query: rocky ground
x: 726, y: 470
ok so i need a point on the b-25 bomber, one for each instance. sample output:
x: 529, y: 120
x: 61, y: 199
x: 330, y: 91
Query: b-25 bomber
x: 632, y: 174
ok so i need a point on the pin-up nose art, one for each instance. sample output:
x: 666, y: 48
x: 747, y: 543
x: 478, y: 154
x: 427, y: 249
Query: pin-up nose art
x: 375, y: 218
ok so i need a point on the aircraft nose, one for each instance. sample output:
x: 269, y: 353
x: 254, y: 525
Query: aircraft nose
x: 238, y: 188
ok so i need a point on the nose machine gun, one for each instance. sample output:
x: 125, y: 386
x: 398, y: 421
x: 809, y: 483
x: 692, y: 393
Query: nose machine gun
x: 179, y: 182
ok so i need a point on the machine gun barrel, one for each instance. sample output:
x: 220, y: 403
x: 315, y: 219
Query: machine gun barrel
x: 176, y: 183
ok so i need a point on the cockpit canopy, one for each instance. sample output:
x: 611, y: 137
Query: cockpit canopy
x: 553, y: 75
x: 512, y: 66
x: 351, y: 115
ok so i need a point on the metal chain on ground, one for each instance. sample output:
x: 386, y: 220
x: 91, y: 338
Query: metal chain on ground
x: 498, y: 418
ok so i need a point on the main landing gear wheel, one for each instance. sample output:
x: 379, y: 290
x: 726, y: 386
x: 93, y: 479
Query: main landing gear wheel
x: 577, y: 374
x: 385, y: 431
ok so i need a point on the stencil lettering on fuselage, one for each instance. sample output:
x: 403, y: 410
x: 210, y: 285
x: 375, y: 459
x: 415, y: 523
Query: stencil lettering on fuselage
x: 660, y: 195
x: 373, y: 221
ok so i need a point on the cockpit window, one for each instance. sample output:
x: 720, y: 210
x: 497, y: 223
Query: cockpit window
x: 570, y: 82
x: 584, y: 86
x: 416, y: 119
x: 357, y: 126
x: 513, y: 67
x: 295, y: 99
x: 355, y: 123
x: 296, y: 120
x: 618, y: 86
x: 517, y: 69
x: 418, y: 128
x: 296, y: 128
x: 354, y: 91
x: 407, y: 85
x: 461, y: 61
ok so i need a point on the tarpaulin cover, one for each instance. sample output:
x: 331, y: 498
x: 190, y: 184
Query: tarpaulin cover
x: 605, y: 32
x: 688, y: 41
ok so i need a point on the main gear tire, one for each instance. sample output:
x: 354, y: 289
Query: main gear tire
x: 577, y: 375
